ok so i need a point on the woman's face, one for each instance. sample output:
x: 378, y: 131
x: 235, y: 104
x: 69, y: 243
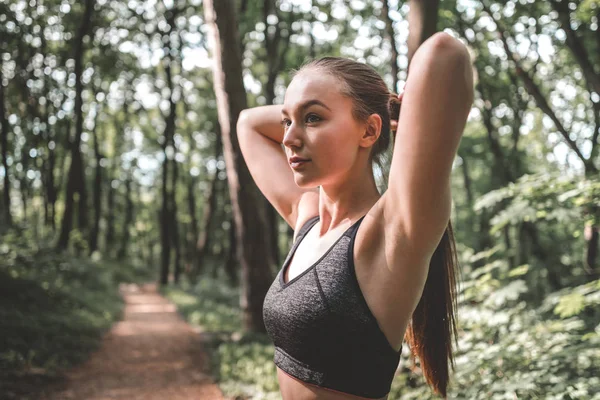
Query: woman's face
x: 319, y: 126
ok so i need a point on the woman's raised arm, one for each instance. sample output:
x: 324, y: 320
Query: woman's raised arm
x: 260, y: 134
x: 435, y: 107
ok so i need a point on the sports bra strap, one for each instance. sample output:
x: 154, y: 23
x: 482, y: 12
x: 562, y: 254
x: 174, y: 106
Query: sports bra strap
x: 306, y: 227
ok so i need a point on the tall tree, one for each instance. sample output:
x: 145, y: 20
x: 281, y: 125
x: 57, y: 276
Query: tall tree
x: 6, y: 217
x: 167, y: 224
x: 173, y: 219
x: 97, y: 191
x: 76, y: 180
x: 254, y: 253
x: 129, y: 217
x: 391, y: 34
x: 112, y: 172
x: 210, y: 202
x: 422, y: 22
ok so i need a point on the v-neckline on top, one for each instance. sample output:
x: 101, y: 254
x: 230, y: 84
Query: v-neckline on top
x: 297, y: 244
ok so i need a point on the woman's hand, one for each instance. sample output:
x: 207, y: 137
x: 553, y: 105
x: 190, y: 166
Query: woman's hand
x: 394, y: 121
x: 265, y: 120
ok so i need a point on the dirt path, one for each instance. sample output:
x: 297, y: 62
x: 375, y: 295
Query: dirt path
x: 152, y: 354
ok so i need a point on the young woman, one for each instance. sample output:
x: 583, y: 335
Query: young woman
x: 364, y: 269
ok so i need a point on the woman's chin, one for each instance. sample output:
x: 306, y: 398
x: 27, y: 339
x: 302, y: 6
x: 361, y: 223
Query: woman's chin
x: 303, y: 182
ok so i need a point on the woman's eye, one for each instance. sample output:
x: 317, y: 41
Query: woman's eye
x: 286, y: 122
x: 311, y: 118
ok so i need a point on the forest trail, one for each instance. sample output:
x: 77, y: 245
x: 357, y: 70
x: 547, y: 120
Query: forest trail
x: 151, y: 354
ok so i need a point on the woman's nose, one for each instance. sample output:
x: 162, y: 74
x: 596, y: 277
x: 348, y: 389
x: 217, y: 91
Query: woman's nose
x: 291, y: 137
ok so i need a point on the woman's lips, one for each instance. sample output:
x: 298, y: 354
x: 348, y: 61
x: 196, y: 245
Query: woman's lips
x: 298, y: 164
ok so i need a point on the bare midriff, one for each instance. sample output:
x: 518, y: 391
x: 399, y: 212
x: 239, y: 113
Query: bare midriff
x: 294, y: 389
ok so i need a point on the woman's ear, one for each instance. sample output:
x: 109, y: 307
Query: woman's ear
x: 373, y: 129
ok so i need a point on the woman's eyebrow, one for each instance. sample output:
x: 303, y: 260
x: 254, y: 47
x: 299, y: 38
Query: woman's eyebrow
x: 307, y: 104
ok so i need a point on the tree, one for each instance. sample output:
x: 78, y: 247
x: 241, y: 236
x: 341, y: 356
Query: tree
x: 6, y: 216
x: 76, y: 180
x: 254, y: 253
x: 422, y: 21
x: 391, y: 34
x: 168, y: 225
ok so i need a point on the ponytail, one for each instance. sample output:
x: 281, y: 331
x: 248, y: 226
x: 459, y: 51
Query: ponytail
x: 433, y: 322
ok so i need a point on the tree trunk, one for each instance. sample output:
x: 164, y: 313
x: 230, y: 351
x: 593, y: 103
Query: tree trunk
x: 510, y: 251
x: 81, y: 190
x: 164, y: 224
x: 111, y: 235
x: 389, y: 29
x: 231, y: 263
x: 97, y: 188
x: 467, y: 182
x: 6, y: 217
x: 166, y: 215
x: 203, y: 236
x: 76, y: 158
x: 592, y: 235
x: 110, y: 214
x: 538, y: 250
x: 193, y: 234
x: 422, y: 22
x: 174, y: 223
x: 51, y: 191
x: 47, y: 167
x: 523, y: 245
x: 312, y: 48
x: 484, y: 241
x: 30, y: 113
x: 251, y: 225
x: 129, y: 218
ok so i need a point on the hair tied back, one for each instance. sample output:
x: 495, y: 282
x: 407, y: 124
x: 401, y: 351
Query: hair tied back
x: 394, y: 106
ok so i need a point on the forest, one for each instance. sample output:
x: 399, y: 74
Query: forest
x: 121, y: 168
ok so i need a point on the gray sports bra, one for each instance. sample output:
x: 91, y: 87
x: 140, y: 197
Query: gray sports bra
x: 322, y: 328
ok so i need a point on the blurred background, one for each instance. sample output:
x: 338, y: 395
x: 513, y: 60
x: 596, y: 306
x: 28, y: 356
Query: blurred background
x: 119, y: 163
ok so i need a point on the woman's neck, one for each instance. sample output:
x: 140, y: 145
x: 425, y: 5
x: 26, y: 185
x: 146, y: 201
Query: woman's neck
x: 344, y: 203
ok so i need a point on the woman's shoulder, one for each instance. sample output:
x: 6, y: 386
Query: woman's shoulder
x: 307, y: 210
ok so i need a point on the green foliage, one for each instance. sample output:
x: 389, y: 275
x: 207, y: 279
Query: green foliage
x: 569, y: 305
x: 242, y: 363
x: 209, y: 304
x: 507, y: 349
x: 521, y: 337
x: 53, y: 307
x: 587, y: 9
x: 245, y: 368
x: 544, y: 197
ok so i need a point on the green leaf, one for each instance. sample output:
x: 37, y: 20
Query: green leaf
x: 520, y: 270
x: 570, y: 305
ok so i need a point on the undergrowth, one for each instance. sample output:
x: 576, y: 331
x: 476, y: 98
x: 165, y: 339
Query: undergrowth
x: 54, y: 309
